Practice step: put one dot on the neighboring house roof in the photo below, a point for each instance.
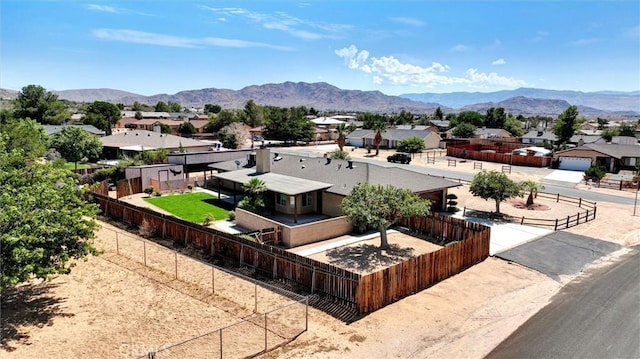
(181, 114)
(541, 135)
(344, 117)
(611, 150)
(412, 127)
(492, 132)
(341, 178)
(392, 134)
(624, 140)
(326, 121)
(152, 121)
(586, 139)
(126, 121)
(146, 114)
(440, 123)
(199, 123)
(276, 182)
(51, 129)
(589, 132)
(148, 140)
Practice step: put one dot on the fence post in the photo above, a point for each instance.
(568, 221)
(241, 254)
(265, 332)
(213, 281)
(186, 235)
(275, 267)
(164, 228)
(522, 221)
(220, 343)
(306, 313)
(313, 280)
(556, 227)
(620, 185)
(558, 198)
(580, 202)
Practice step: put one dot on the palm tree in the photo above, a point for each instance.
(254, 200)
(533, 187)
(379, 127)
(341, 130)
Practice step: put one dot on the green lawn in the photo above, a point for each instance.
(72, 165)
(192, 207)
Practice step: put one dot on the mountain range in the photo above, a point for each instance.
(326, 97)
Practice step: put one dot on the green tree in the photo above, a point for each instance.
(377, 206)
(186, 129)
(174, 107)
(36, 103)
(494, 185)
(233, 135)
(254, 114)
(26, 135)
(608, 133)
(341, 131)
(370, 119)
(138, 115)
(464, 130)
(138, 107)
(602, 123)
(44, 221)
(211, 108)
(164, 128)
(567, 124)
(514, 126)
(471, 117)
(162, 106)
(595, 172)
(495, 117)
(379, 127)
(253, 201)
(411, 145)
(74, 144)
(287, 124)
(339, 155)
(533, 188)
(627, 129)
(103, 115)
(437, 114)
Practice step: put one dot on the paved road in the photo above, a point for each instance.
(598, 317)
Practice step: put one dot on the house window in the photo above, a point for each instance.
(282, 199)
(307, 199)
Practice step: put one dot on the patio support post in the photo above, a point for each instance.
(235, 202)
(295, 209)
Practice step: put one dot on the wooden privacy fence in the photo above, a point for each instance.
(127, 187)
(517, 160)
(364, 295)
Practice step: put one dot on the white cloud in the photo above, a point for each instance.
(388, 69)
(103, 8)
(303, 29)
(460, 48)
(499, 62)
(140, 37)
(583, 42)
(408, 21)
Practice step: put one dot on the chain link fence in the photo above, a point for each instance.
(269, 316)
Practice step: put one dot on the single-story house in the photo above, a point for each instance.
(300, 186)
(146, 114)
(52, 129)
(613, 157)
(392, 137)
(136, 141)
(484, 132)
(536, 136)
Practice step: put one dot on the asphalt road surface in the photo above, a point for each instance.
(596, 317)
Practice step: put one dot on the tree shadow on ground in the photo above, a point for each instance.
(30, 304)
(367, 257)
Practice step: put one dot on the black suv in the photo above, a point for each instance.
(399, 157)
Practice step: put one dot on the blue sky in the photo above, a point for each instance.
(151, 47)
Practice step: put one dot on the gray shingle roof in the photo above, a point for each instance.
(616, 151)
(149, 139)
(343, 179)
(543, 135)
(51, 129)
(390, 134)
(276, 182)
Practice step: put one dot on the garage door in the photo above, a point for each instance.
(574, 163)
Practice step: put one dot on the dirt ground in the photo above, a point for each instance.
(104, 309)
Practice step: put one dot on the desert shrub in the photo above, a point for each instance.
(452, 203)
(207, 219)
(231, 215)
(148, 191)
(595, 172)
(146, 229)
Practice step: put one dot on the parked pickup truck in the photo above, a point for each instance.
(399, 157)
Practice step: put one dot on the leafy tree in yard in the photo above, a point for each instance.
(608, 133)
(595, 172)
(437, 114)
(514, 126)
(233, 135)
(287, 124)
(138, 107)
(627, 129)
(340, 155)
(471, 117)
(174, 106)
(164, 128)
(44, 221)
(102, 115)
(377, 206)
(26, 135)
(379, 127)
(254, 114)
(186, 129)
(222, 119)
(36, 103)
(138, 115)
(464, 130)
(211, 108)
(254, 198)
(411, 145)
(533, 187)
(162, 106)
(495, 117)
(567, 124)
(494, 185)
(74, 144)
